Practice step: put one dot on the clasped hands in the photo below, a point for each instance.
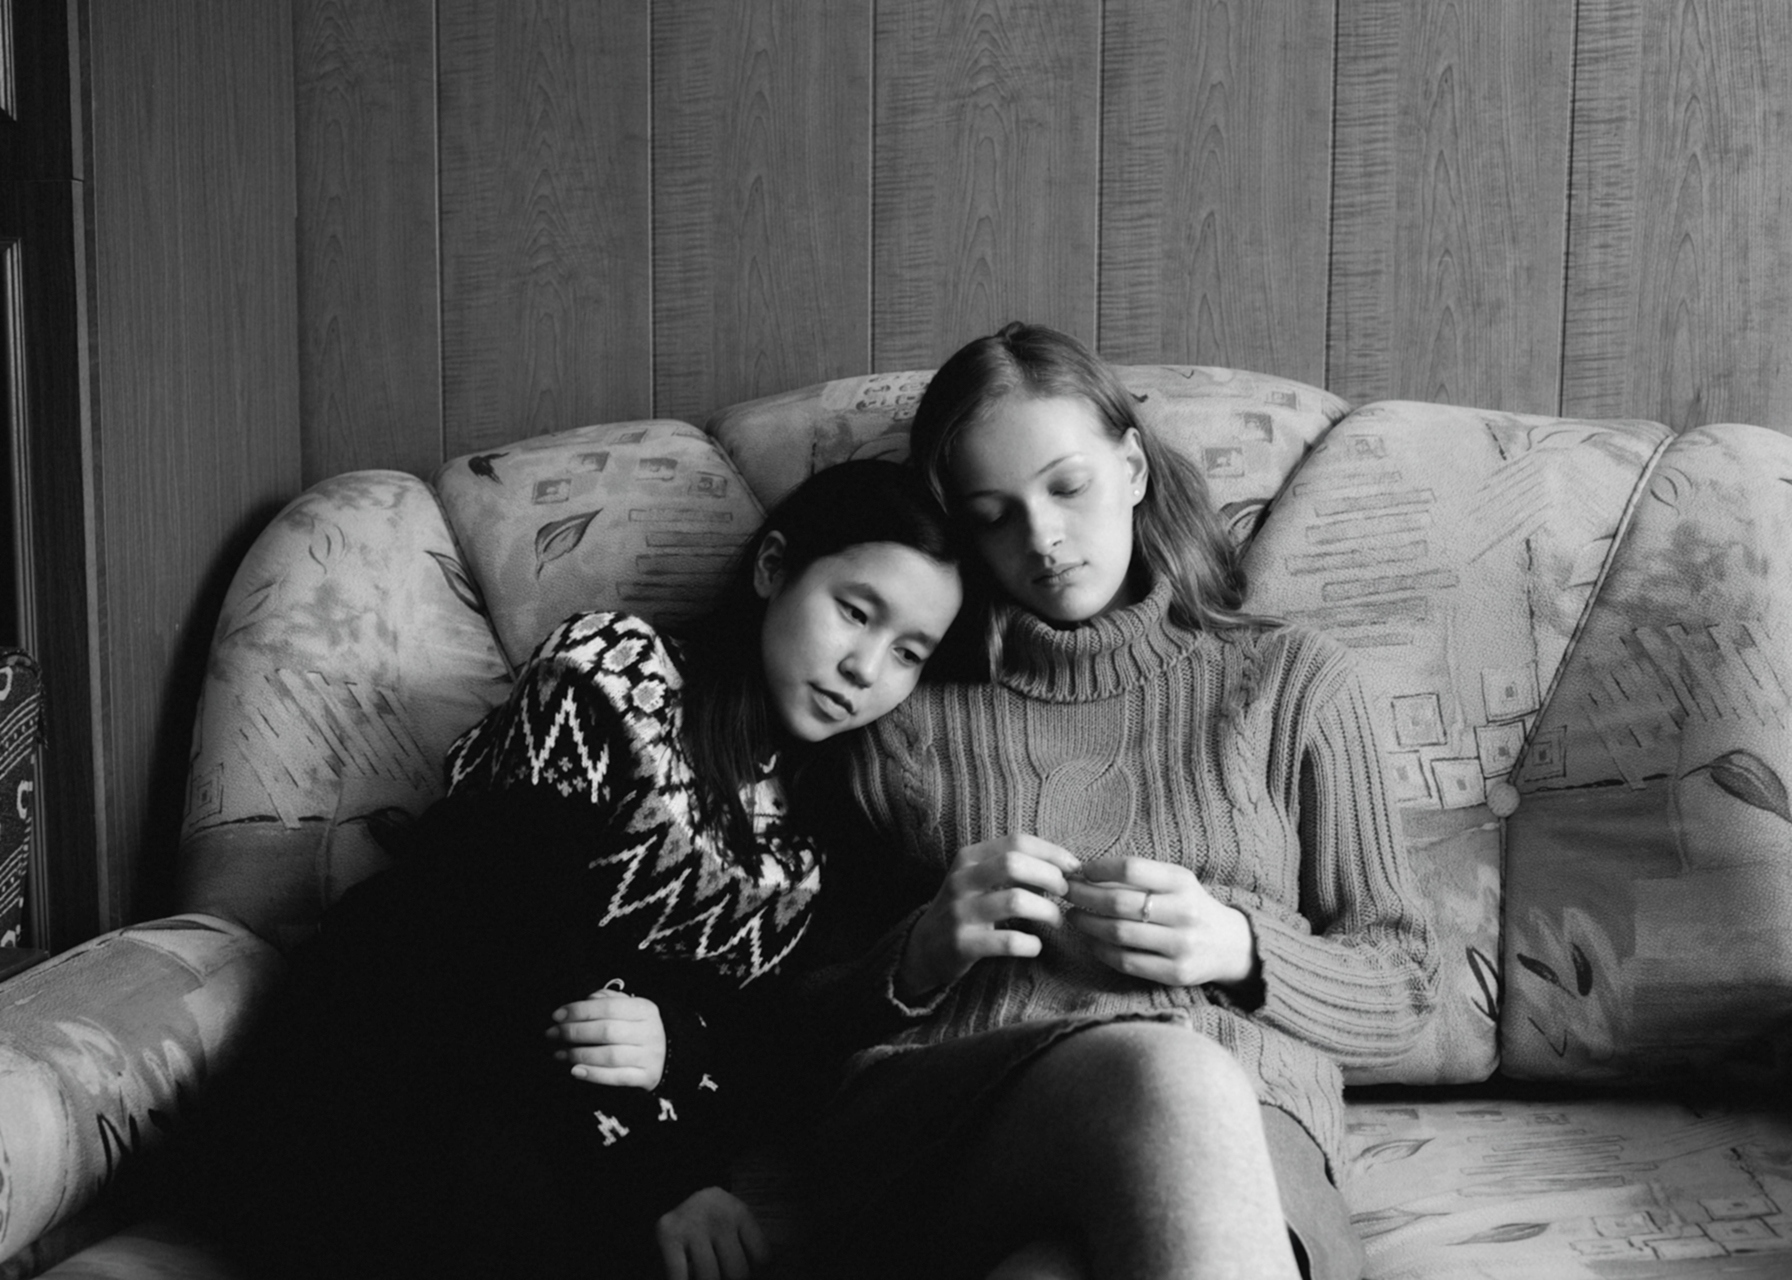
(1147, 919)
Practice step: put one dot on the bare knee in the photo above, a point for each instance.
(1160, 1069)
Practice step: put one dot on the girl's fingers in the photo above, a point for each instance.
(752, 1238)
(607, 1004)
(609, 1055)
(614, 1077)
(672, 1257)
(1136, 873)
(1015, 904)
(1125, 933)
(732, 1257)
(1138, 964)
(601, 1031)
(1125, 902)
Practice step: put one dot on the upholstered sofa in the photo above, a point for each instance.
(1577, 636)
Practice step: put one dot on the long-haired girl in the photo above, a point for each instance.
(1170, 895)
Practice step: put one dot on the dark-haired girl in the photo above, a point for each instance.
(519, 1051)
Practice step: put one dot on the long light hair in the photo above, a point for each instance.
(1177, 533)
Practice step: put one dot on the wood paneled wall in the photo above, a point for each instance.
(192, 431)
(516, 219)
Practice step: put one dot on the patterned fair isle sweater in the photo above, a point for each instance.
(597, 713)
(1249, 759)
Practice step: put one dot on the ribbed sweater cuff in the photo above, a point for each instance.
(893, 962)
(1333, 995)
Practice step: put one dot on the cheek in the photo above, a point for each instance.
(892, 690)
(997, 550)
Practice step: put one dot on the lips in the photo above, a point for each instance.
(831, 701)
(1057, 576)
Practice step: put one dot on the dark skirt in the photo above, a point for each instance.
(883, 1142)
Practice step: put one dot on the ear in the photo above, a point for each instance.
(768, 565)
(1138, 467)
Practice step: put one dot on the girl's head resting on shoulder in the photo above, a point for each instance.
(1071, 506)
(858, 575)
(830, 611)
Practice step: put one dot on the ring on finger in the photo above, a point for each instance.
(1145, 908)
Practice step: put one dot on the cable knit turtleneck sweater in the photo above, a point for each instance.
(1248, 758)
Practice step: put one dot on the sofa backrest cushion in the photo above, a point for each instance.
(1456, 551)
(637, 516)
(1247, 430)
(350, 651)
(1649, 863)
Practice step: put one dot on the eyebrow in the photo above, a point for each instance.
(1055, 462)
(882, 606)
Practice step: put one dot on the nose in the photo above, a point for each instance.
(859, 665)
(1044, 531)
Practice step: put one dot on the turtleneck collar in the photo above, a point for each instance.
(1099, 659)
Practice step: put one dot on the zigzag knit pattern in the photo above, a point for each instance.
(597, 714)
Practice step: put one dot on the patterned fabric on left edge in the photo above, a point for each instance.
(20, 730)
(101, 1046)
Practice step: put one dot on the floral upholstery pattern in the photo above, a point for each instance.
(1574, 1188)
(1247, 430)
(1649, 866)
(1575, 635)
(351, 650)
(1456, 551)
(120, 1029)
(638, 517)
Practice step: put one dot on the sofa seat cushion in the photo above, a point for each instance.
(1569, 1188)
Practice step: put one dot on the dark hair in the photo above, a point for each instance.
(728, 721)
(1177, 533)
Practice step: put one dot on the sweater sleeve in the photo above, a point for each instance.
(1354, 973)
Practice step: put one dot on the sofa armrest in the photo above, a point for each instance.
(101, 1045)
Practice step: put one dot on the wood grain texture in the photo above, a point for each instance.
(544, 209)
(369, 323)
(1215, 183)
(1448, 213)
(1680, 255)
(195, 387)
(761, 198)
(987, 172)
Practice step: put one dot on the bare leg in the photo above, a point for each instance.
(1142, 1139)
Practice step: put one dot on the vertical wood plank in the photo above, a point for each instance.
(1215, 183)
(544, 216)
(987, 170)
(1449, 206)
(195, 389)
(761, 198)
(369, 327)
(1680, 254)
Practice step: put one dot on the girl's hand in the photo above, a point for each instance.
(612, 1039)
(990, 885)
(710, 1236)
(1155, 920)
